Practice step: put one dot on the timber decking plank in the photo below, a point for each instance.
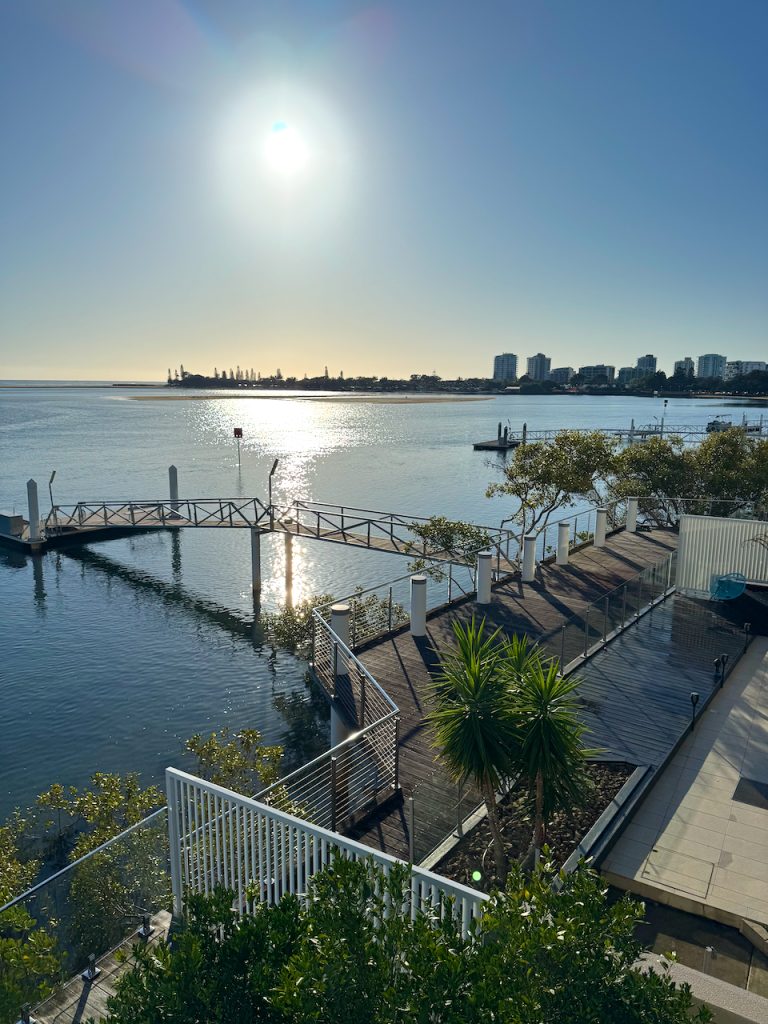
(635, 692)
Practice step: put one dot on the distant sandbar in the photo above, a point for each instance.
(344, 397)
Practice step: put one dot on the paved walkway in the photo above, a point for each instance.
(699, 841)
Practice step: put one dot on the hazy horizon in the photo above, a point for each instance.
(383, 189)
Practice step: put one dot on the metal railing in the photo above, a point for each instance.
(381, 609)
(436, 810)
(581, 526)
(91, 906)
(369, 528)
(353, 775)
(663, 511)
(158, 513)
(584, 634)
(220, 838)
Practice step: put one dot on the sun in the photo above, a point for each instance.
(285, 151)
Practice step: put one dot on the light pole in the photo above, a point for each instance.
(271, 511)
(50, 492)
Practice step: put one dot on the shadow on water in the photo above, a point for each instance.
(10, 558)
(305, 714)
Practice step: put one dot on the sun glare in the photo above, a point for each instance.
(283, 162)
(285, 151)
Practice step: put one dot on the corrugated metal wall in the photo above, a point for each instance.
(712, 547)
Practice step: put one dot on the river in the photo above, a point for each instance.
(113, 654)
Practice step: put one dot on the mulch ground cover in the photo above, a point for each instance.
(564, 833)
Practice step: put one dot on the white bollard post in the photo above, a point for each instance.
(563, 543)
(340, 616)
(173, 487)
(632, 515)
(34, 510)
(601, 525)
(483, 581)
(418, 605)
(255, 559)
(340, 728)
(529, 558)
(289, 567)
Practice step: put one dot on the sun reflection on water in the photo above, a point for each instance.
(295, 430)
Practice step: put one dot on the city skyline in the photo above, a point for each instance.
(389, 190)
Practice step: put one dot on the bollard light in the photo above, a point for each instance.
(146, 929)
(694, 702)
(718, 677)
(24, 1016)
(91, 972)
(723, 668)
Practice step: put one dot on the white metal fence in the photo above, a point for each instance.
(711, 547)
(218, 838)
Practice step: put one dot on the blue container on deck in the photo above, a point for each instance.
(728, 586)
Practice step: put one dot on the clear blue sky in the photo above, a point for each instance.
(583, 178)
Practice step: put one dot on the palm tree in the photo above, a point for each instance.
(472, 720)
(550, 750)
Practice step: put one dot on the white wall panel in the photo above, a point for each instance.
(710, 546)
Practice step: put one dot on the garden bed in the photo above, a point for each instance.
(565, 832)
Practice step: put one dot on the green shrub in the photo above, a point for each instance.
(352, 953)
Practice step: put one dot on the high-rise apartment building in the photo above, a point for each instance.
(561, 374)
(539, 366)
(505, 367)
(741, 367)
(710, 365)
(599, 373)
(626, 375)
(684, 366)
(646, 366)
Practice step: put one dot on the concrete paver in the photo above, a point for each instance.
(691, 844)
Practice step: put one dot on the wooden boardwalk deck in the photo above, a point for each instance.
(402, 664)
(78, 1001)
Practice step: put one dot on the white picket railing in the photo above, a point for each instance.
(218, 838)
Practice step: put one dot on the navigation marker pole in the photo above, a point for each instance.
(238, 438)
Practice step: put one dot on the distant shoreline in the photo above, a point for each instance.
(367, 399)
(371, 397)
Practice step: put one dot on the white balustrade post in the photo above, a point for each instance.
(632, 515)
(418, 605)
(529, 558)
(601, 525)
(255, 559)
(33, 505)
(563, 542)
(174, 843)
(484, 573)
(173, 487)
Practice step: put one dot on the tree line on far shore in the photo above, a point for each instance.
(678, 384)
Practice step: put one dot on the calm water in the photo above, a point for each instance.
(114, 653)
